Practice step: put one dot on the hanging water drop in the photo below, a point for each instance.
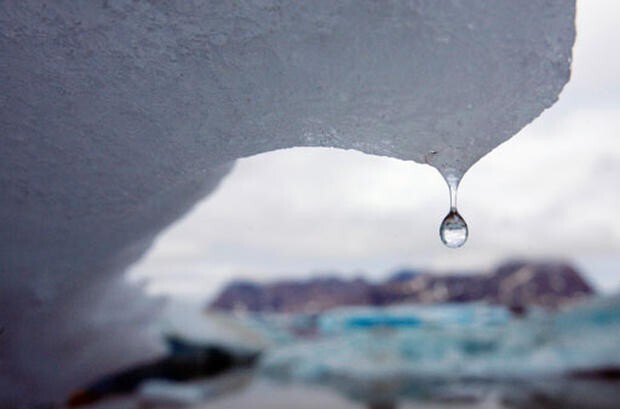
(453, 230)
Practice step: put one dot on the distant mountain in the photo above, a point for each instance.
(316, 294)
(516, 284)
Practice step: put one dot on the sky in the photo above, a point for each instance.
(551, 191)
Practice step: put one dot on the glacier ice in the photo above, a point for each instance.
(451, 343)
(117, 116)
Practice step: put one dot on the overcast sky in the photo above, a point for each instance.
(553, 190)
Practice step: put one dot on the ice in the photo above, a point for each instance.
(118, 116)
(454, 342)
(412, 316)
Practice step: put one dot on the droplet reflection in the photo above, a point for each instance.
(453, 230)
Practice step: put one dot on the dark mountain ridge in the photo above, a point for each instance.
(515, 284)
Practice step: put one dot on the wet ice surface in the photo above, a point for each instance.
(118, 116)
(262, 393)
(274, 395)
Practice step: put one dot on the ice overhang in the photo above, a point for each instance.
(117, 116)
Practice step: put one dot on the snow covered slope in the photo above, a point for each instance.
(116, 116)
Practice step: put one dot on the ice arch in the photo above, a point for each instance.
(116, 116)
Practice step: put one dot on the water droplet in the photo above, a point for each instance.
(453, 230)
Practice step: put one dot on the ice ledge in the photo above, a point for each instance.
(117, 116)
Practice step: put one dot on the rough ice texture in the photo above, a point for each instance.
(116, 116)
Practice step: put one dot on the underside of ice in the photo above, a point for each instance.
(118, 116)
